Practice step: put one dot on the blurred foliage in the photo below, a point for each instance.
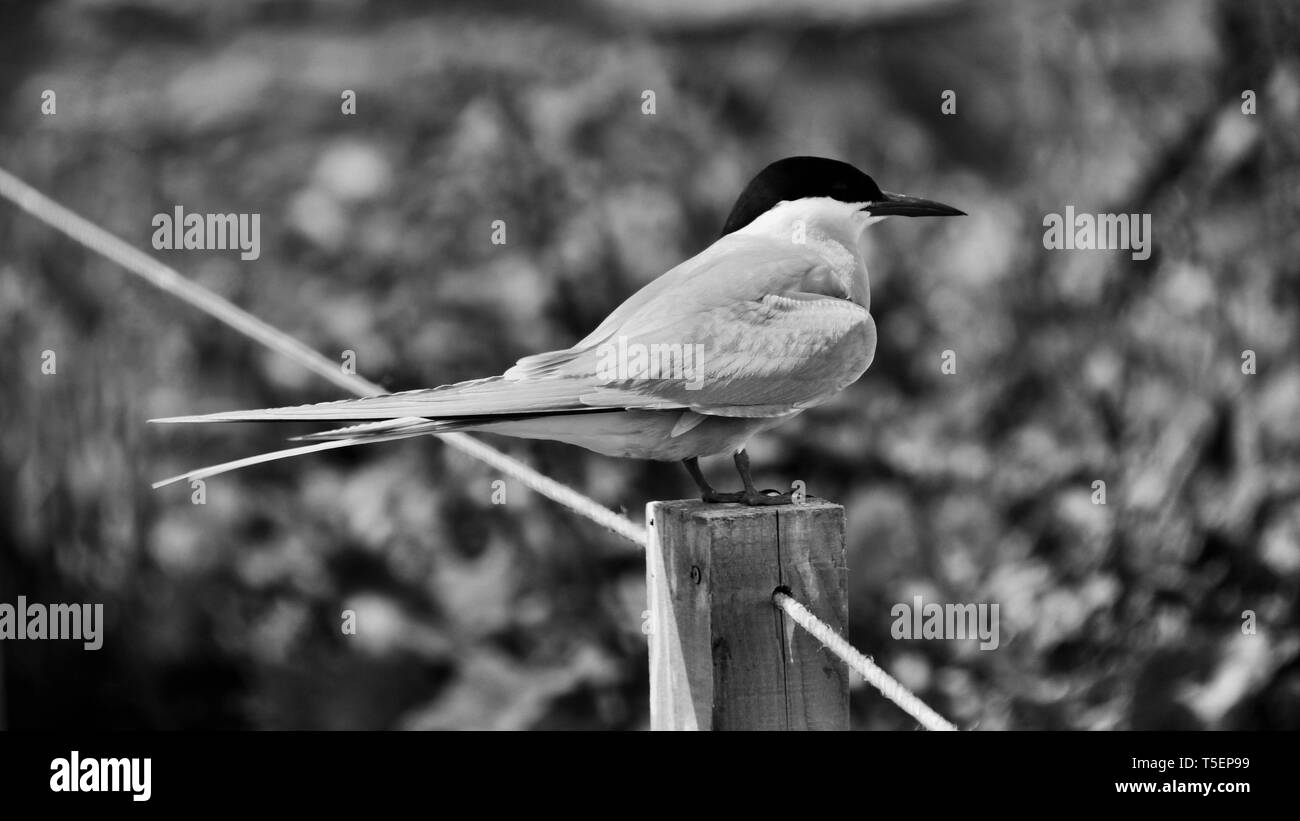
(1072, 367)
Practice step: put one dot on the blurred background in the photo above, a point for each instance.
(1072, 367)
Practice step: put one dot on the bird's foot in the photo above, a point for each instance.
(752, 498)
(767, 497)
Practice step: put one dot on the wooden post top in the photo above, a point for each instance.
(721, 655)
(705, 510)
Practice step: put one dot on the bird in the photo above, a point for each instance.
(771, 319)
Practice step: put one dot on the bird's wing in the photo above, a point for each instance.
(736, 266)
(764, 358)
(726, 297)
(773, 328)
(769, 326)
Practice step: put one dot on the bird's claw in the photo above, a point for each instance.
(754, 498)
(767, 497)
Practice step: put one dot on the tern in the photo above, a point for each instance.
(771, 319)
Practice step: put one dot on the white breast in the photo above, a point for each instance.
(829, 228)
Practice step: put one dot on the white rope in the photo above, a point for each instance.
(168, 279)
(876, 677)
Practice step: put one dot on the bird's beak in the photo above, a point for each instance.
(901, 205)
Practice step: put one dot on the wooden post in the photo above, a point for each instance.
(721, 656)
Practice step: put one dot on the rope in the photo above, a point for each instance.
(169, 280)
(876, 677)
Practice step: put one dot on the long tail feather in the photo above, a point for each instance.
(224, 467)
(479, 404)
(474, 398)
(419, 424)
(404, 424)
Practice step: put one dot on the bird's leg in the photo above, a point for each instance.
(707, 493)
(752, 495)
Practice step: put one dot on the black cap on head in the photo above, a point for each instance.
(795, 178)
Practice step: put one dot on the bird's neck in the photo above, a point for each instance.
(826, 229)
